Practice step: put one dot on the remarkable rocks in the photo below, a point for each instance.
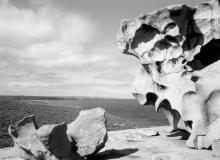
(85, 136)
(179, 51)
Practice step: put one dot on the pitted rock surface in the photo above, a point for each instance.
(179, 51)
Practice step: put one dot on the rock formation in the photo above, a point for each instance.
(85, 136)
(179, 51)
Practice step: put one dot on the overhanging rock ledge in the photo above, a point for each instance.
(179, 50)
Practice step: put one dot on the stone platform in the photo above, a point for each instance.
(137, 144)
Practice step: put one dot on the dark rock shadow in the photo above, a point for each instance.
(184, 135)
(112, 154)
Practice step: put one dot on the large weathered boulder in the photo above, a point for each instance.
(179, 51)
(88, 131)
(85, 136)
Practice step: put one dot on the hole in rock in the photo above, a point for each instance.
(188, 123)
(151, 98)
(194, 78)
(144, 34)
(165, 104)
(209, 54)
(172, 115)
(162, 44)
(171, 39)
(169, 27)
(184, 61)
(159, 66)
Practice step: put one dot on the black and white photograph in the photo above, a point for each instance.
(109, 79)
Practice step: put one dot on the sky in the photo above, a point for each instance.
(68, 47)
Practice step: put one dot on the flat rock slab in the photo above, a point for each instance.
(8, 154)
(137, 144)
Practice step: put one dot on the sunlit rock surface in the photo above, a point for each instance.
(136, 144)
(88, 131)
(83, 137)
(179, 50)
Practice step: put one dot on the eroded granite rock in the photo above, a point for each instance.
(179, 50)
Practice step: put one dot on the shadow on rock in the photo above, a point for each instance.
(112, 154)
(184, 135)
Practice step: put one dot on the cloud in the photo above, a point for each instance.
(48, 51)
(45, 37)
